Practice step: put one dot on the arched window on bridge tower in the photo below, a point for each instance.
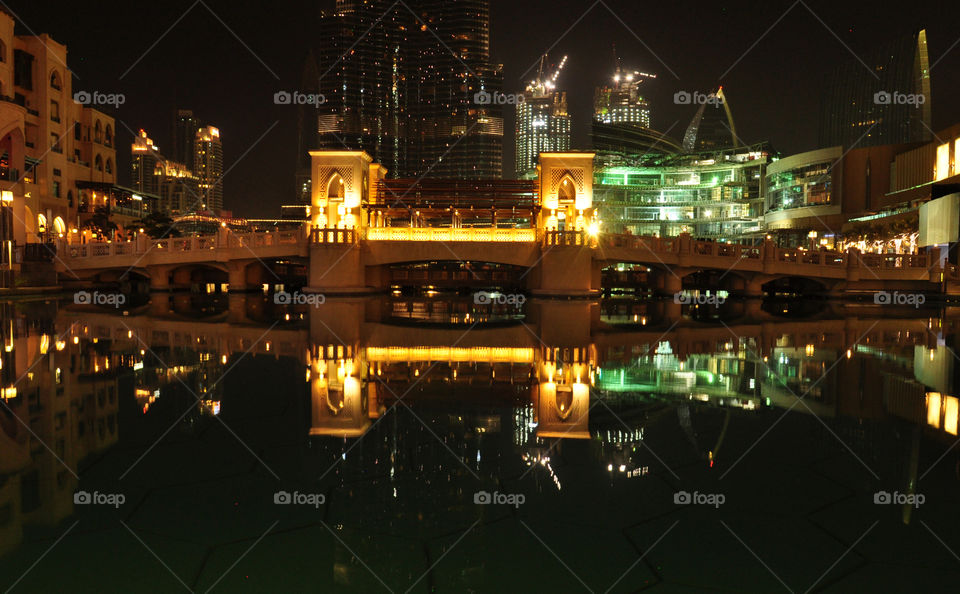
(566, 200)
(336, 192)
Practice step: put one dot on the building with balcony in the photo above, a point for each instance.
(50, 143)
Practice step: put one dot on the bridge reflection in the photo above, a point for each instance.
(566, 370)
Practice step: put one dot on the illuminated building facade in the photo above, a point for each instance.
(622, 103)
(620, 130)
(878, 105)
(172, 185)
(804, 191)
(50, 142)
(144, 159)
(208, 167)
(407, 95)
(715, 195)
(543, 122)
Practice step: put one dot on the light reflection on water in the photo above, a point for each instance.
(399, 409)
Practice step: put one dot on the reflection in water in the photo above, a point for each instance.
(523, 386)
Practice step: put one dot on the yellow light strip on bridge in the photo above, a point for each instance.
(454, 354)
(439, 234)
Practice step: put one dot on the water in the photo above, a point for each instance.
(417, 443)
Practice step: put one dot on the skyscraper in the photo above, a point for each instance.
(400, 84)
(175, 186)
(543, 123)
(622, 103)
(143, 162)
(184, 135)
(208, 167)
(885, 101)
(621, 132)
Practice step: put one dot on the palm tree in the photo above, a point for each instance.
(158, 225)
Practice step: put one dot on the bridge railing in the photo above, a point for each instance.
(886, 261)
(327, 235)
(564, 238)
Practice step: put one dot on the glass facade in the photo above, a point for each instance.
(717, 196)
(809, 185)
(805, 180)
(401, 83)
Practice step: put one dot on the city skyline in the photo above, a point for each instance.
(265, 133)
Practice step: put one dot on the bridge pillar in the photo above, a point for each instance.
(159, 278)
(160, 304)
(243, 277)
(337, 268)
(754, 287)
(565, 271)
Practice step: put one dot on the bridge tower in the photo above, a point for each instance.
(566, 225)
(566, 191)
(341, 182)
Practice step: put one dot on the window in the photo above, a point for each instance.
(108, 136)
(109, 165)
(76, 131)
(98, 163)
(23, 69)
(54, 111)
(56, 188)
(55, 81)
(55, 143)
(98, 132)
(3, 51)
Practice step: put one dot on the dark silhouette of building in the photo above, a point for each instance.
(183, 135)
(885, 102)
(712, 127)
(409, 86)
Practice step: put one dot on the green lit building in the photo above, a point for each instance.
(715, 195)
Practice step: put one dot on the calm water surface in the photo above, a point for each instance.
(430, 444)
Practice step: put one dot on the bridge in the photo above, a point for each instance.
(363, 226)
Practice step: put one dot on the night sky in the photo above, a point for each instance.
(177, 56)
